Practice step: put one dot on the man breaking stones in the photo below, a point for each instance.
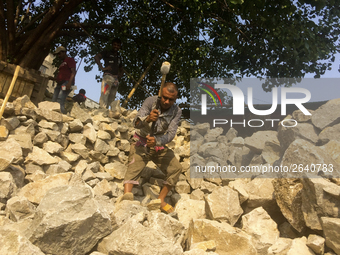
(167, 120)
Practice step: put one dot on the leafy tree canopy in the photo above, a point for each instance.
(201, 39)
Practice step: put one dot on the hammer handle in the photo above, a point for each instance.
(158, 104)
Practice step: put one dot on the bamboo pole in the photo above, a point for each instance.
(134, 81)
(140, 80)
(9, 91)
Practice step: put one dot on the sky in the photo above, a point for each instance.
(87, 81)
(321, 90)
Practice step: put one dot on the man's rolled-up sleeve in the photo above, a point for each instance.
(172, 129)
(142, 114)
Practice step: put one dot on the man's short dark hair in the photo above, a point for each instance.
(171, 87)
(116, 40)
(82, 91)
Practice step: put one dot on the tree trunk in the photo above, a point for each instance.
(10, 23)
(30, 48)
(3, 33)
(39, 43)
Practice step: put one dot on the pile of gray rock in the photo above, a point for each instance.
(293, 210)
(61, 176)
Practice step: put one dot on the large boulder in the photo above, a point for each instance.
(229, 211)
(262, 229)
(189, 209)
(288, 134)
(258, 140)
(68, 220)
(35, 191)
(302, 158)
(327, 114)
(14, 243)
(320, 198)
(7, 186)
(288, 194)
(145, 234)
(229, 240)
(331, 230)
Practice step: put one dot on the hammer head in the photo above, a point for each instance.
(165, 68)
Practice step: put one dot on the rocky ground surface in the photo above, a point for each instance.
(61, 176)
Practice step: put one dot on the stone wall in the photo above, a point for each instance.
(29, 82)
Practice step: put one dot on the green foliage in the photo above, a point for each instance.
(201, 39)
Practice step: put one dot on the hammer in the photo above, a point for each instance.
(165, 68)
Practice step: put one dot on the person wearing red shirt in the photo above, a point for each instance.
(65, 77)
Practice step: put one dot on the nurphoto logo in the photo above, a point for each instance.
(263, 128)
(201, 90)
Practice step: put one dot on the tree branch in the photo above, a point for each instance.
(31, 22)
(16, 20)
(47, 20)
(86, 26)
(173, 7)
(47, 30)
(88, 34)
(75, 34)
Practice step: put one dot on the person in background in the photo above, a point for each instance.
(113, 71)
(65, 77)
(80, 97)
